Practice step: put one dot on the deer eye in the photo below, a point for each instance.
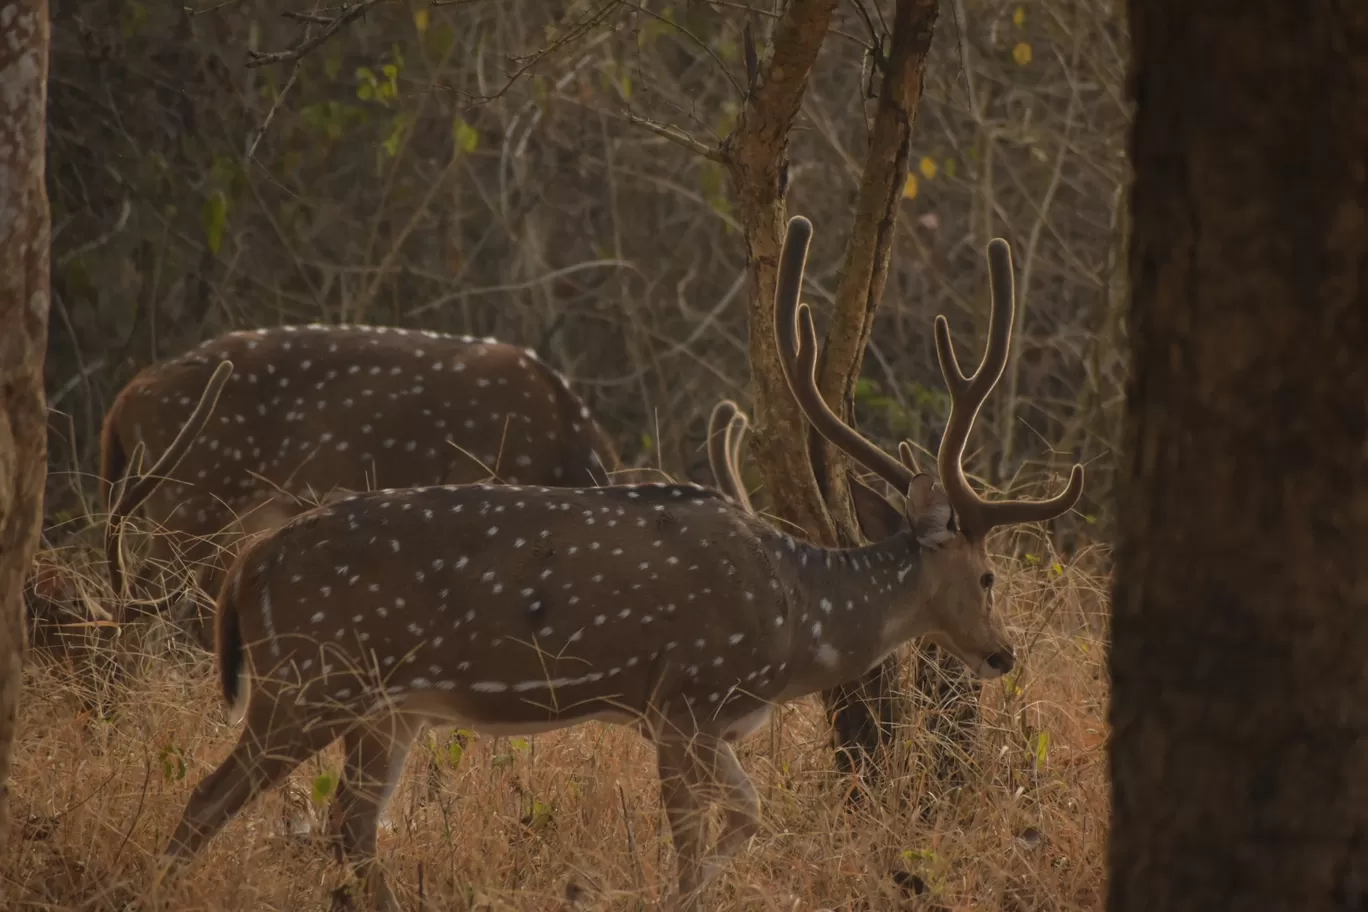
(986, 581)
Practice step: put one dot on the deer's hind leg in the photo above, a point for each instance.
(273, 743)
(376, 752)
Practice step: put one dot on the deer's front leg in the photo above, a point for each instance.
(688, 825)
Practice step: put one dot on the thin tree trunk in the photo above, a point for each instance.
(1239, 752)
(24, 240)
(757, 157)
(808, 478)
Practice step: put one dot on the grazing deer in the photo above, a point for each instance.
(667, 607)
(314, 410)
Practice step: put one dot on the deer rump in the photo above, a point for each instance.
(314, 409)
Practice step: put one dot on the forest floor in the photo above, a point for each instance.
(571, 820)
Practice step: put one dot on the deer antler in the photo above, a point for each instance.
(977, 516)
(797, 337)
(726, 426)
(130, 495)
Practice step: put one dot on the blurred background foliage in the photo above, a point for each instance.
(480, 166)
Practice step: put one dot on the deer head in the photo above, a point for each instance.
(946, 518)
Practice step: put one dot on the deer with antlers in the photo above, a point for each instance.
(317, 412)
(667, 607)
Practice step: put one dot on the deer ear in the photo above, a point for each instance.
(929, 513)
(879, 520)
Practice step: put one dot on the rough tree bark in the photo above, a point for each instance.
(807, 478)
(1239, 752)
(24, 231)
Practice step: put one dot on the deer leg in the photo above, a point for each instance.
(271, 746)
(688, 823)
(717, 766)
(376, 752)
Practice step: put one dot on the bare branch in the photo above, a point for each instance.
(757, 159)
(870, 244)
(677, 136)
(330, 27)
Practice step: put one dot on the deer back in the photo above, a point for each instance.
(310, 409)
(520, 608)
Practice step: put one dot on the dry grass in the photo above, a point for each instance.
(572, 820)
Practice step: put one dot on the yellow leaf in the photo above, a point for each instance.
(950, 167)
(910, 188)
(928, 167)
(1022, 53)
(420, 20)
(1019, 16)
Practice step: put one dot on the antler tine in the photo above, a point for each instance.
(797, 338)
(967, 394)
(908, 458)
(719, 426)
(736, 430)
(170, 459)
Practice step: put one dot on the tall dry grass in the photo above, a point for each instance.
(571, 820)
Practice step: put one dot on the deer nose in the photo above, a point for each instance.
(1001, 662)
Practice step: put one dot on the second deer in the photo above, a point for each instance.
(320, 411)
(670, 608)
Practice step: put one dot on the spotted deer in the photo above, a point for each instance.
(316, 411)
(667, 607)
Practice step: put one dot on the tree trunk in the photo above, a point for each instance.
(24, 240)
(1239, 751)
(807, 478)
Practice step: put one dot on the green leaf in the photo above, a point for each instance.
(519, 744)
(455, 752)
(499, 760)
(1040, 747)
(324, 787)
(214, 218)
(467, 137)
(173, 763)
(540, 816)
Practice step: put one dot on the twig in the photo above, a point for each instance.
(309, 42)
(631, 839)
(679, 137)
(275, 106)
(125, 209)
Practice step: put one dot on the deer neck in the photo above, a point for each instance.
(851, 608)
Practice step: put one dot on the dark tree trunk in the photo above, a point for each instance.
(1239, 751)
(24, 231)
